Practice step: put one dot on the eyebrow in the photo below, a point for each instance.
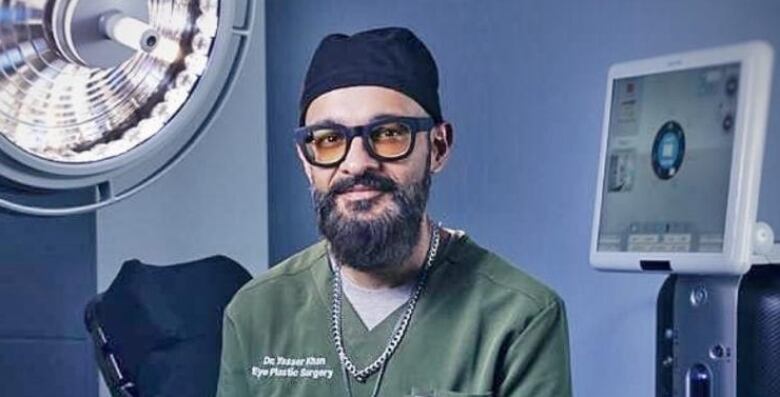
(384, 116)
(377, 117)
(327, 121)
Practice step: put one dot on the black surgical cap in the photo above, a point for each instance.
(388, 57)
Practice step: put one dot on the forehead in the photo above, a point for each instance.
(359, 105)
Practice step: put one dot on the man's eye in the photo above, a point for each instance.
(328, 139)
(390, 132)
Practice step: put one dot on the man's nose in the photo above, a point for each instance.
(358, 160)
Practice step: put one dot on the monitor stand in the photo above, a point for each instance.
(719, 335)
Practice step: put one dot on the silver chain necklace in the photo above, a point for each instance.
(400, 327)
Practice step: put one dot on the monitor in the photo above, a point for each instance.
(680, 161)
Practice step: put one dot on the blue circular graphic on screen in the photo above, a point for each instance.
(668, 150)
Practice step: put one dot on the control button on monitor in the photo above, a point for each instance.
(717, 352)
(732, 84)
(699, 296)
(728, 123)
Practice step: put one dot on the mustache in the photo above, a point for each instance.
(374, 181)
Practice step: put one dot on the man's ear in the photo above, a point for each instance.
(305, 164)
(441, 145)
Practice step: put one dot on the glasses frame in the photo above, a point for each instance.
(415, 124)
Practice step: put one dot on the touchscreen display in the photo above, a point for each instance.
(668, 161)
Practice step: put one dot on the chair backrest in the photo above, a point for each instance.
(157, 329)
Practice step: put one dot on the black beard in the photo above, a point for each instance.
(368, 244)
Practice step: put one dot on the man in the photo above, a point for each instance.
(389, 303)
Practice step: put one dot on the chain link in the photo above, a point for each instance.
(400, 328)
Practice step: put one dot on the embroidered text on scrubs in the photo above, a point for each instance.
(289, 367)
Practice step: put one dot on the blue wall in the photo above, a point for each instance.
(47, 276)
(524, 84)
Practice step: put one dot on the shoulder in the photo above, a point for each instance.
(495, 277)
(292, 275)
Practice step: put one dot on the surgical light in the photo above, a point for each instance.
(69, 94)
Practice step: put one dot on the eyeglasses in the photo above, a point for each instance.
(386, 139)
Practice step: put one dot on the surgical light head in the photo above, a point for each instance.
(88, 80)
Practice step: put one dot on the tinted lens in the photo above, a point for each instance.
(326, 146)
(391, 140)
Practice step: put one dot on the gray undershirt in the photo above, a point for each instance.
(374, 305)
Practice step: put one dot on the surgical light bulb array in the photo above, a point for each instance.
(66, 112)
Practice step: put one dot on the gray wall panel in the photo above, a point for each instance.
(39, 368)
(47, 275)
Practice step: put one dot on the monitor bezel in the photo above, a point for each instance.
(755, 59)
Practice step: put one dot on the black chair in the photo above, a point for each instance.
(157, 329)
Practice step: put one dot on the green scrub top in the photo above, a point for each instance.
(481, 328)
